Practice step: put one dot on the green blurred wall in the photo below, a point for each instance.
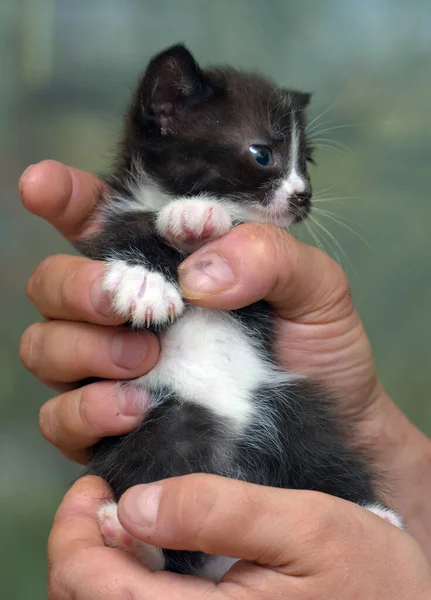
(66, 70)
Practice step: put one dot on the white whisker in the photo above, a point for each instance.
(333, 239)
(321, 115)
(332, 217)
(334, 142)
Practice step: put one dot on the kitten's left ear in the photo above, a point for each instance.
(173, 82)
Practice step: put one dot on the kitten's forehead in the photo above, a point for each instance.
(254, 103)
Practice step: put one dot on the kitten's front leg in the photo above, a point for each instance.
(142, 272)
(188, 223)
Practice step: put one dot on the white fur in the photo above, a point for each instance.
(146, 195)
(387, 514)
(207, 359)
(294, 184)
(142, 295)
(190, 222)
(149, 195)
(116, 536)
(145, 191)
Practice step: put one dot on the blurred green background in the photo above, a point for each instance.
(66, 71)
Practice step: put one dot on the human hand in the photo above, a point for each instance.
(319, 334)
(294, 544)
(81, 337)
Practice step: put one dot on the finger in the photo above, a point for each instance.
(80, 567)
(254, 262)
(63, 196)
(76, 420)
(231, 518)
(65, 351)
(69, 287)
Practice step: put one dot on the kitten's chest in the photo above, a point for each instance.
(208, 357)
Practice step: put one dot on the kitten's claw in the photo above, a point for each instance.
(142, 296)
(171, 311)
(115, 536)
(190, 222)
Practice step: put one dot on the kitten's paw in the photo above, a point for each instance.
(115, 536)
(387, 514)
(191, 222)
(141, 295)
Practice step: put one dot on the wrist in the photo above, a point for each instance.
(397, 442)
(403, 454)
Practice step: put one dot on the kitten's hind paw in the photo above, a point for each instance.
(387, 514)
(115, 536)
(142, 296)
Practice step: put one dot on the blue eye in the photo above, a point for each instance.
(262, 155)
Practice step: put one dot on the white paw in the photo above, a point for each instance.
(141, 295)
(190, 222)
(115, 536)
(387, 514)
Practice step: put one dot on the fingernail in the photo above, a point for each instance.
(132, 402)
(141, 505)
(129, 349)
(204, 275)
(101, 300)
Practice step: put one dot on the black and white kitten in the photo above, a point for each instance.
(203, 151)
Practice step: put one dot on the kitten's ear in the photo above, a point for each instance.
(303, 99)
(173, 82)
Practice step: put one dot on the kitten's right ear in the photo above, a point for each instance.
(172, 83)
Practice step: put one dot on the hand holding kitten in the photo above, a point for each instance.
(294, 544)
(319, 334)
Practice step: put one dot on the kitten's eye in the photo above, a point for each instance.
(262, 155)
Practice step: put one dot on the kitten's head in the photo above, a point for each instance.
(221, 131)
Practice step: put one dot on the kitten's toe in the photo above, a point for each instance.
(387, 514)
(115, 536)
(142, 296)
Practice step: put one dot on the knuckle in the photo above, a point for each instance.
(199, 508)
(325, 517)
(60, 579)
(48, 422)
(341, 278)
(84, 401)
(64, 285)
(37, 278)
(55, 589)
(30, 347)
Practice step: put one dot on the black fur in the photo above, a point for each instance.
(188, 130)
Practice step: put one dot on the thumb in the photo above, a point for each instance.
(254, 262)
(220, 516)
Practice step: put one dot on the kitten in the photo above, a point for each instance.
(205, 150)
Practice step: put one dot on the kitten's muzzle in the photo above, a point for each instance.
(300, 205)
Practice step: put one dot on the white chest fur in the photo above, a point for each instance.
(207, 358)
